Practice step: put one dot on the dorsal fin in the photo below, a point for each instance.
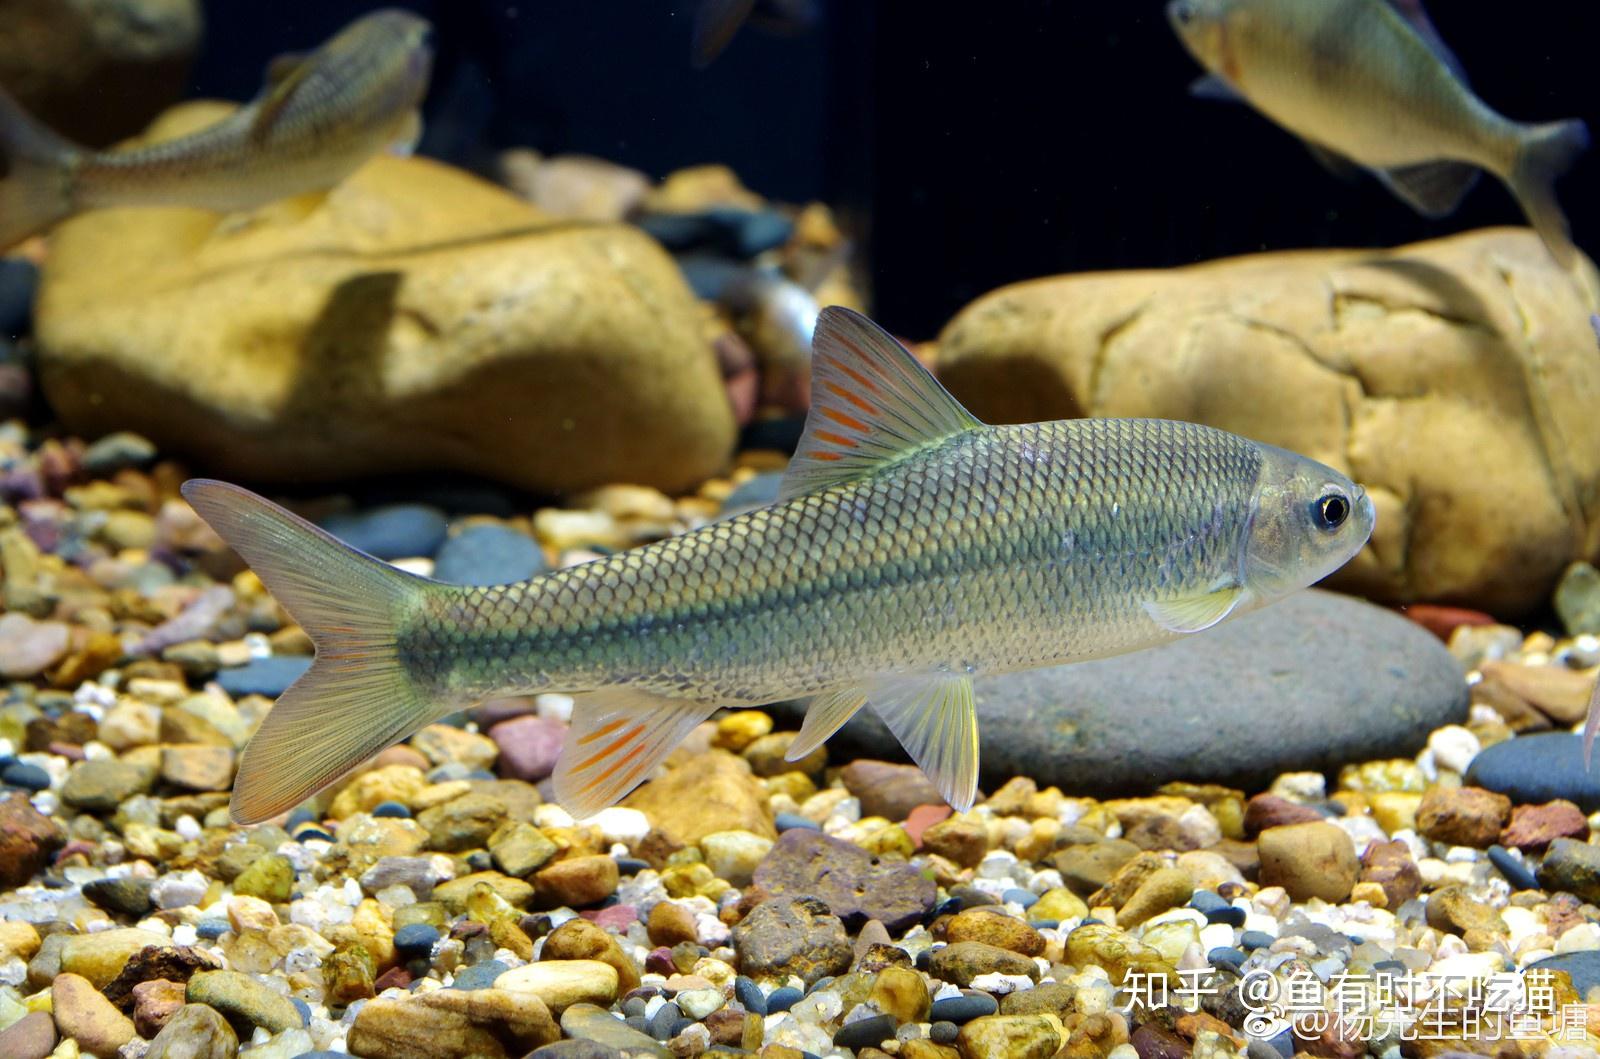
(872, 403)
(283, 82)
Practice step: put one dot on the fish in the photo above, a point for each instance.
(317, 120)
(716, 22)
(911, 549)
(1369, 85)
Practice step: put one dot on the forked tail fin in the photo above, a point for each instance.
(357, 698)
(37, 167)
(1546, 152)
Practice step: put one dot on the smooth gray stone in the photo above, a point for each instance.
(1312, 682)
(1536, 768)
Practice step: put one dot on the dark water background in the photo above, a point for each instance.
(985, 142)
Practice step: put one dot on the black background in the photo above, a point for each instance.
(967, 144)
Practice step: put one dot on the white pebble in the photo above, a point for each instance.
(1000, 984)
(179, 889)
(187, 827)
(1301, 786)
(13, 971)
(554, 707)
(46, 803)
(627, 826)
(1454, 747)
(1216, 936)
(550, 815)
(698, 1003)
(1582, 938)
(185, 934)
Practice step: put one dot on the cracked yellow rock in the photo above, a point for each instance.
(1455, 379)
(417, 318)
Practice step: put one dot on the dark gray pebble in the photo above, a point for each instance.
(1537, 768)
(264, 676)
(128, 895)
(488, 555)
(1225, 956)
(396, 531)
(865, 1033)
(1515, 872)
(298, 816)
(972, 897)
(479, 975)
(1584, 967)
(782, 999)
(1229, 914)
(795, 822)
(394, 809)
(943, 1032)
(28, 777)
(631, 865)
(749, 996)
(116, 452)
(304, 1009)
(1206, 901)
(666, 1022)
(416, 939)
(1255, 939)
(963, 1008)
(633, 1007)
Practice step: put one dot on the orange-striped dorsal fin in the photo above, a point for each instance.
(872, 403)
(618, 738)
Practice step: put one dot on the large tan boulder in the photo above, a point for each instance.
(416, 319)
(1458, 380)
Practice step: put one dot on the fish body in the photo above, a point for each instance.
(913, 548)
(1369, 82)
(318, 120)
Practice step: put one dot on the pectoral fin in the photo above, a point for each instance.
(1193, 613)
(618, 738)
(936, 720)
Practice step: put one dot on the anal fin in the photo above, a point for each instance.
(619, 736)
(1433, 189)
(935, 718)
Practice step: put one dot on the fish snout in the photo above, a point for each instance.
(1182, 13)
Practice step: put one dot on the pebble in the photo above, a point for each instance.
(1514, 871)
(487, 555)
(1251, 940)
(853, 883)
(243, 999)
(28, 777)
(269, 676)
(392, 810)
(792, 936)
(396, 531)
(29, 647)
(1584, 967)
(561, 983)
(82, 1013)
(1572, 866)
(416, 940)
(749, 995)
(963, 1008)
(1309, 860)
(479, 976)
(782, 999)
(793, 822)
(529, 746)
(33, 1036)
(1536, 768)
(865, 1032)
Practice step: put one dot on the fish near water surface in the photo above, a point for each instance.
(319, 118)
(1369, 83)
(716, 22)
(912, 549)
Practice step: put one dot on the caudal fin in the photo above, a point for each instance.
(1546, 152)
(357, 698)
(36, 189)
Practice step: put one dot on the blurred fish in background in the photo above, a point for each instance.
(317, 120)
(716, 22)
(1369, 84)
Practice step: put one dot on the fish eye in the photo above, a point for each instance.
(1183, 11)
(1330, 511)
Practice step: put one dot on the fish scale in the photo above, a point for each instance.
(953, 559)
(912, 548)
